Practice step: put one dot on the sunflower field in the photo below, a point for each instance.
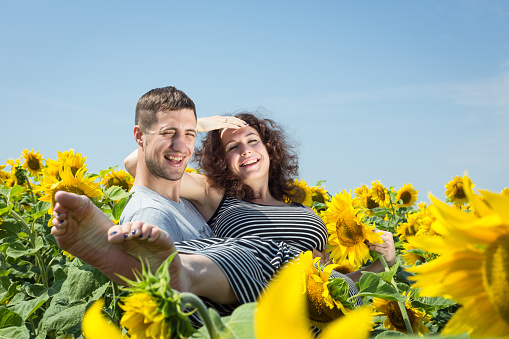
(450, 278)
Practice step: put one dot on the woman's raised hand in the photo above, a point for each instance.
(217, 122)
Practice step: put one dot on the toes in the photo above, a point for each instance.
(115, 234)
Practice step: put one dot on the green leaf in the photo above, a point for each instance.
(106, 171)
(119, 207)
(116, 193)
(82, 281)
(11, 291)
(431, 304)
(5, 192)
(16, 250)
(388, 275)
(371, 285)
(9, 318)
(14, 332)
(6, 210)
(390, 334)
(16, 190)
(239, 325)
(27, 307)
(60, 315)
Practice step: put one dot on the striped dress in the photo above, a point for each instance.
(254, 241)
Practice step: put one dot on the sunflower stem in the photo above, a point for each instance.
(31, 191)
(402, 306)
(191, 300)
(31, 236)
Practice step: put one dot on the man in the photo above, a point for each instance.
(165, 132)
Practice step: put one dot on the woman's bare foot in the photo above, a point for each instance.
(153, 245)
(86, 232)
(80, 228)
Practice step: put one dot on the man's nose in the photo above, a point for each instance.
(179, 142)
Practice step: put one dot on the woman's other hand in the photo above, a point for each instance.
(386, 249)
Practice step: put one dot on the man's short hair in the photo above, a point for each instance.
(160, 99)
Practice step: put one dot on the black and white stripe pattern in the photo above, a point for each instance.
(297, 226)
(254, 242)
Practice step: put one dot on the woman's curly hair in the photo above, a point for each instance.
(284, 164)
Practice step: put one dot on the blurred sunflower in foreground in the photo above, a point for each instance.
(282, 311)
(473, 267)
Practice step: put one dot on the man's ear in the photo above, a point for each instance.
(138, 135)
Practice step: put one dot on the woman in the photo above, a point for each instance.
(247, 177)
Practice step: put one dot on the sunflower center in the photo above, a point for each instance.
(319, 197)
(70, 189)
(396, 318)
(298, 195)
(496, 275)
(349, 231)
(118, 182)
(458, 191)
(406, 197)
(411, 230)
(34, 164)
(370, 203)
(315, 290)
(319, 311)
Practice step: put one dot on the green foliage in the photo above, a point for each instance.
(44, 293)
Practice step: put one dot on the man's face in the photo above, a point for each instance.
(169, 144)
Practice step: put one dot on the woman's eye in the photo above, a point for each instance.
(231, 148)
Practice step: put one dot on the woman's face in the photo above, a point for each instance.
(246, 154)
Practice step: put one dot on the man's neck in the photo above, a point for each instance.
(166, 188)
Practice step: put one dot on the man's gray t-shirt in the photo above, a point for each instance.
(180, 219)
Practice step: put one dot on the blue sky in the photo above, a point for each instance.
(397, 91)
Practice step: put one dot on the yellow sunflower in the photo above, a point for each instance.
(394, 319)
(323, 306)
(363, 199)
(78, 184)
(473, 267)
(345, 267)
(454, 189)
(380, 194)
(33, 161)
(281, 311)
(4, 176)
(70, 158)
(142, 317)
(319, 194)
(505, 191)
(412, 254)
(95, 325)
(301, 193)
(347, 232)
(119, 178)
(192, 170)
(407, 194)
(16, 175)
